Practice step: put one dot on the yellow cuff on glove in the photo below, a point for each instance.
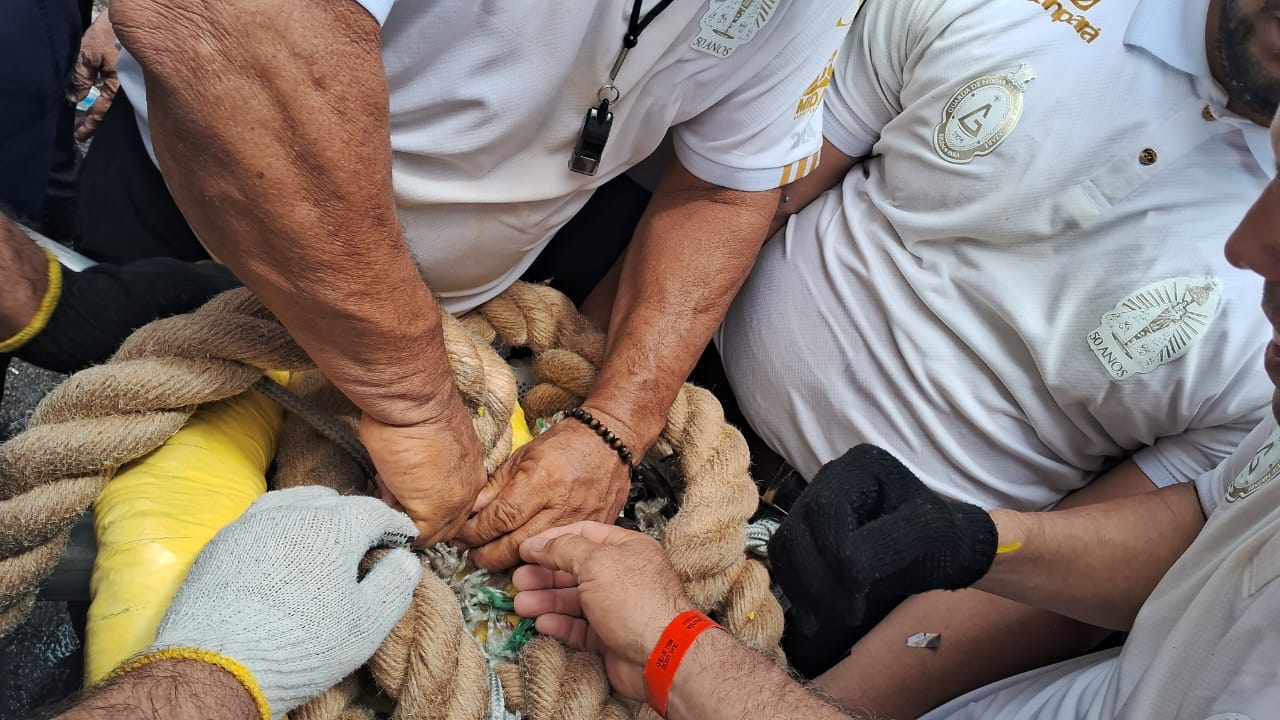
(44, 312)
(238, 671)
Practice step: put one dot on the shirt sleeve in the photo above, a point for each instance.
(379, 9)
(1183, 458)
(1257, 456)
(866, 90)
(1208, 489)
(768, 131)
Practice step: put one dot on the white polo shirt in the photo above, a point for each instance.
(1025, 281)
(488, 98)
(1203, 646)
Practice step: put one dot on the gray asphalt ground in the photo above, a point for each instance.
(23, 387)
(40, 662)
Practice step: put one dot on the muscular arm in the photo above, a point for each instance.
(168, 690)
(690, 255)
(791, 199)
(270, 122)
(1128, 559)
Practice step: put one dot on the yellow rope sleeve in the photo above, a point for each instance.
(238, 671)
(44, 312)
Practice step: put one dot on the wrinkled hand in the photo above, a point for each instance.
(565, 475)
(603, 588)
(866, 524)
(432, 471)
(95, 65)
(278, 591)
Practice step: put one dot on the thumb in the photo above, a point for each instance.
(388, 589)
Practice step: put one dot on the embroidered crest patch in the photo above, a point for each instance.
(981, 114)
(730, 23)
(1262, 469)
(1155, 325)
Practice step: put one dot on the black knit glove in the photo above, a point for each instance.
(865, 534)
(104, 304)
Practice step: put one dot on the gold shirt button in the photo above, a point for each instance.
(1207, 113)
(1147, 156)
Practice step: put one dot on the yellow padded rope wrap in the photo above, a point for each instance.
(156, 515)
(238, 671)
(52, 292)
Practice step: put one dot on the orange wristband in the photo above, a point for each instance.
(665, 659)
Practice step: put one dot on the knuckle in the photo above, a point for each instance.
(505, 513)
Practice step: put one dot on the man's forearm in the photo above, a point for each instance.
(690, 255)
(1096, 563)
(278, 153)
(721, 678)
(168, 690)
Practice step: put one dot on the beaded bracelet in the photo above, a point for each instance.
(615, 442)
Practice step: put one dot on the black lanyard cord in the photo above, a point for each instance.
(598, 121)
(638, 24)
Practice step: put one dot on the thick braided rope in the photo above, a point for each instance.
(707, 550)
(707, 537)
(434, 669)
(106, 416)
(340, 702)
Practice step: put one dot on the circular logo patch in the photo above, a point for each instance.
(981, 115)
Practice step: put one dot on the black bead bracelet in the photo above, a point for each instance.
(613, 441)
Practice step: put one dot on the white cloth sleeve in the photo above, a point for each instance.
(1212, 486)
(866, 89)
(379, 9)
(768, 131)
(1183, 458)
(1208, 490)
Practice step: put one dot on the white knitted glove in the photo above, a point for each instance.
(277, 593)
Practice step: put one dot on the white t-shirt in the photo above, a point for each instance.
(488, 98)
(1025, 282)
(1205, 643)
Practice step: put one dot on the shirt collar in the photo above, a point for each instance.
(1173, 32)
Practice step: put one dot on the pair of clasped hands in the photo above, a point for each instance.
(566, 474)
(532, 508)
